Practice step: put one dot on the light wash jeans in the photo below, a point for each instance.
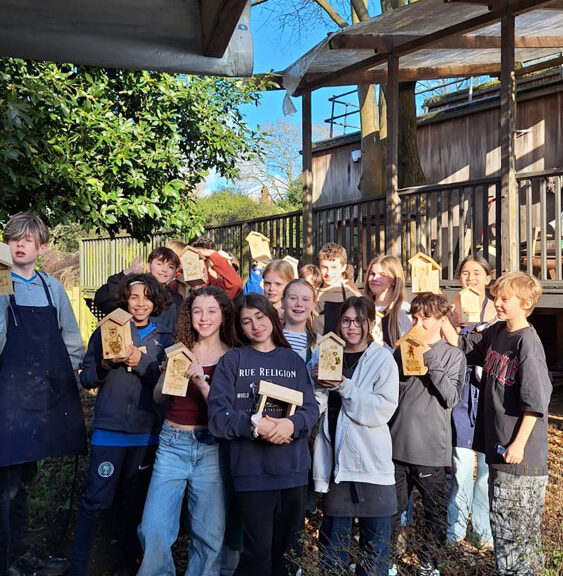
(468, 496)
(184, 458)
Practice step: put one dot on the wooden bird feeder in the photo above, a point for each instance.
(191, 267)
(183, 288)
(411, 351)
(468, 306)
(425, 274)
(294, 263)
(6, 263)
(331, 357)
(259, 247)
(274, 394)
(179, 360)
(116, 333)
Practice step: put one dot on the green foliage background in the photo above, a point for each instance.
(116, 150)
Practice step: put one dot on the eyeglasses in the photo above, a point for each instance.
(347, 322)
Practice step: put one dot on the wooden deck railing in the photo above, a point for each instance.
(446, 220)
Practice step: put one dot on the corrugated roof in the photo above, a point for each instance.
(435, 39)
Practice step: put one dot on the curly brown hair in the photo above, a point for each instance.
(154, 291)
(186, 333)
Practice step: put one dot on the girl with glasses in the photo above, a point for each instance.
(352, 459)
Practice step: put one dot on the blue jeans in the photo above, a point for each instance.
(468, 496)
(375, 537)
(184, 458)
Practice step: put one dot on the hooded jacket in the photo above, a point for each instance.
(363, 450)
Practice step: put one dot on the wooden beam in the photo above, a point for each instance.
(383, 43)
(306, 130)
(544, 65)
(219, 19)
(464, 27)
(392, 200)
(509, 241)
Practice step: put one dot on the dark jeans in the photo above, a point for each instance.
(336, 537)
(123, 474)
(14, 514)
(430, 481)
(273, 522)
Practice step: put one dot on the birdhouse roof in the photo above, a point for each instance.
(416, 336)
(330, 335)
(426, 258)
(119, 316)
(291, 260)
(188, 250)
(5, 255)
(180, 348)
(255, 236)
(468, 290)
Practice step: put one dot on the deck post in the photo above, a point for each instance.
(306, 128)
(509, 237)
(392, 201)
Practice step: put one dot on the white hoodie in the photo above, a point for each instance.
(363, 442)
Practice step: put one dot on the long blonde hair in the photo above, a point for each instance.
(392, 267)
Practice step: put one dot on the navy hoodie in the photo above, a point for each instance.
(125, 399)
(257, 464)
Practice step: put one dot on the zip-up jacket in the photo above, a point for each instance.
(125, 399)
(363, 442)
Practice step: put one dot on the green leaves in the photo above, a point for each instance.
(116, 150)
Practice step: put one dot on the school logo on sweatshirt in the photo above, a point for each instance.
(105, 469)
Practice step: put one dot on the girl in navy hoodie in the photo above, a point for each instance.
(126, 422)
(269, 456)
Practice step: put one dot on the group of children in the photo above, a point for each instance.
(364, 441)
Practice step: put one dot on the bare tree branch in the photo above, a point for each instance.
(359, 7)
(335, 16)
(256, 2)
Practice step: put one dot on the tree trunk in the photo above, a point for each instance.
(410, 169)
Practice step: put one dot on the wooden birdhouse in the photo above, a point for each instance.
(191, 267)
(183, 288)
(273, 397)
(425, 274)
(6, 263)
(259, 246)
(331, 357)
(468, 306)
(116, 333)
(179, 360)
(294, 263)
(411, 351)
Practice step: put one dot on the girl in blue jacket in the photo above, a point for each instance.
(352, 458)
(126, 422)
(268, 452)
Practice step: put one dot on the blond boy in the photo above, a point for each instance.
(332, 264)
(512, 422)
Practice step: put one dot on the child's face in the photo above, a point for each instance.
(163, 271)
(473, 275)
(511, 308)
(206, 316)
(139, 305)
(354, 328)
(431, 324)
(274, 286)
(298, 303)
(25, 251)
(255, 325)
(379, 281)
(331, 271)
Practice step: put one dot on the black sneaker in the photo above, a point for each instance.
(425, 568)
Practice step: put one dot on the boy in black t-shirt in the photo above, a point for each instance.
(511, 424)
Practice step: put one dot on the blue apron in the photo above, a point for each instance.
(40, 409)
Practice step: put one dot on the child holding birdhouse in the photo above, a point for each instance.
(40, 410)
(421, 427)
(269, 455)
(470, 494)
(126, 422)
(187, 455)
(355, 411)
